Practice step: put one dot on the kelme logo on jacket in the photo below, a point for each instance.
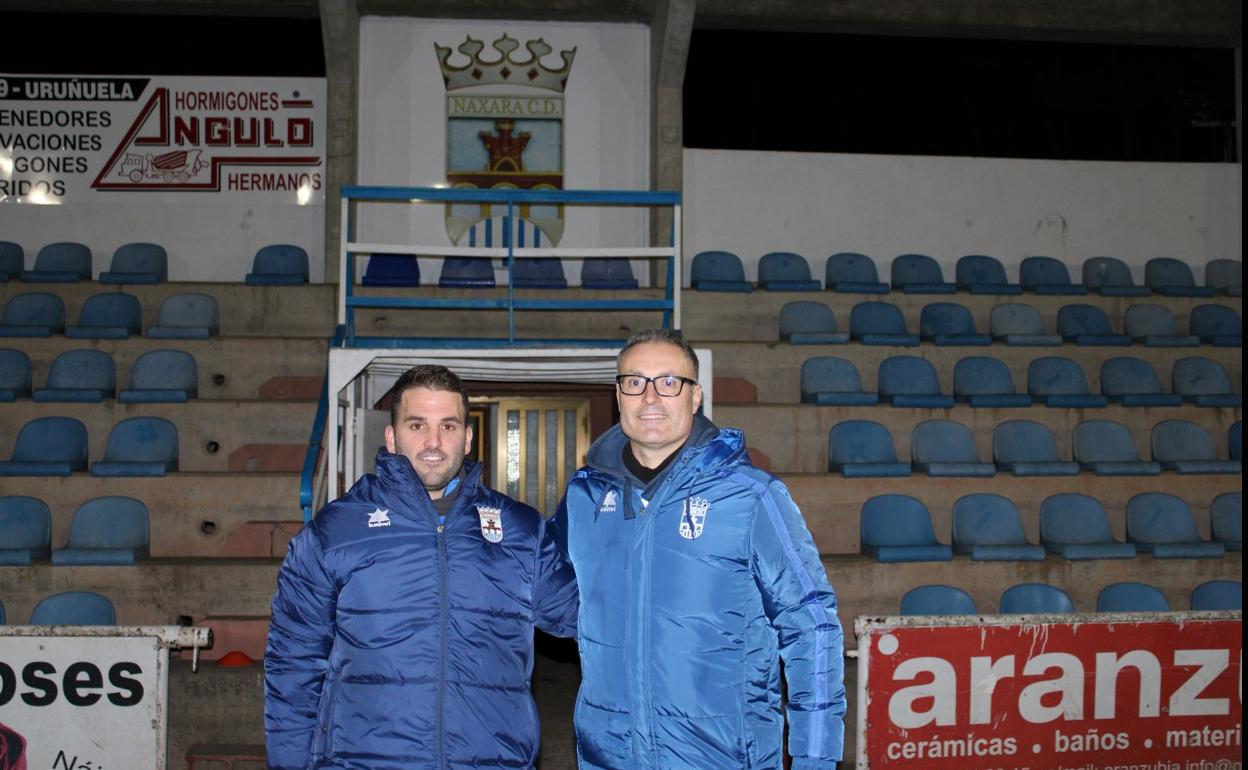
(491, 523)
(379, 518)
(693, 517)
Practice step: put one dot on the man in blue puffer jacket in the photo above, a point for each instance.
(697, 576)
(402, 630)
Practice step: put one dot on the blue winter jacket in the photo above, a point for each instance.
(397, 644)
(693, 589)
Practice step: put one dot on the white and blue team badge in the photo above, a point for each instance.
(491, 523)
(693, 517)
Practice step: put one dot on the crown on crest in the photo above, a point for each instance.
(505, 69)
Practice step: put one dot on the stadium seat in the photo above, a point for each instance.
(106, 530)
(139, 446)
(1155, 326)
(852, 273)
(1087, 325)
(391, 270)
(948, 323)
(141, 263)
(1110, 277)
(539, 273)
(785, 271)
(12, 261)
(162, 377)
(25, 530)
(862, 448)
(1077, 527)
(466, 273)
(608, 273)
(1225, 276)
(15, 374)
(1133, 382)
(937, 600)
(111, 316)
(1235, 437)
(1107, 449)
(1131, 597)
(809, 323)
(1173, 278)
(990, 528)
(1226, 516)
(1060, 383)
(718, 271)
(1163, 525)
(1046, 275)
(910, 382)
(1027, 448)
(1015, 323)
(1187, 448)
(831, 381)
(1203, 382)
(1215, 595)
(33, 314)
(1035, 599)
(985, 382)
(186, 317)
(1217, 325)
(80, 375)
(898, 528)
(946, 448)
(279, 264)
(983, 274)
(74, 608)
(880, 323)
(919, 274)
(65, 262)
(48, 446)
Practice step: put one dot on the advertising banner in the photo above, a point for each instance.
(1139, 691)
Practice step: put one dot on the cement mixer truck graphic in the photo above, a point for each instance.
(176, 166)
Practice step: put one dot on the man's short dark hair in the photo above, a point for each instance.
(431, 376)
(666, 336)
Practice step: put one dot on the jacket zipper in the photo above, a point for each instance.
(442, 602)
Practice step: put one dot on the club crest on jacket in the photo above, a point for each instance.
(491, 523)
(693, 517)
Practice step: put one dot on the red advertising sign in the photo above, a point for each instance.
(1157, 691)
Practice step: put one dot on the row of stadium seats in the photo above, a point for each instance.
(71, 608)
(987, 527)
(1037, 598)
(57, 446)
(140, 263)
(104, 530)
(157, 376)
(112, 315)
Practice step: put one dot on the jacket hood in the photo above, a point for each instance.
(395, 473)
(607, 453)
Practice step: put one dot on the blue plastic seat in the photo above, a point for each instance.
(138, 263)
(937, 599)
(162, 377)
(1163, 525)
(1077, 527)
(87, 376)
(33, 314)
(948, 323)
(990, 528)
(65, 262)
(15, 374)
(983, 274)
(919, 274)
(718, 271)
(1088, 325)
(139, 446)
(1107, 449)
(12, 261)
(1131, 597)
(809, 323)
(279, 264)
(1111, 277)
(985, 382)
(1060, 383)
(1027, 448)
(114, 315)
(946, 448)
(1035, 599)
(898, 528)
(849, 272)
(25, 530)
(880, 323)
(1173, 278)
(1156, 327)
(74, 608)
(48, 446)
(106, 530)
(608, 273)
(539, 273)
(1235, 437)
(831, 381)
(186, 317)
(1203, 382)
(1217, 325)
(1015, 323)
(1226, 516)
(1133, 382)
(1216, 595)
(785, 271)
(862, 448)
(1225, 276)
(1046, 275)
(911, 382)
(1187, 448)
(391, 270)
(466, 273)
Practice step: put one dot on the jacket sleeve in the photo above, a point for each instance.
(802, 607)
(296, 658)
(556, 601)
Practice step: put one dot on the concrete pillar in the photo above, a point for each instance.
(669, 50)
(340, 31)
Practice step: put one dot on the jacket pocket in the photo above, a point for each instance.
(321, 739)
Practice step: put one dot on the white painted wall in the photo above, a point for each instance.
(815, 204)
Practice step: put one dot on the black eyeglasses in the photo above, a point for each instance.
(666, 385)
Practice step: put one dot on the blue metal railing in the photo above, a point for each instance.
(307, 495)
